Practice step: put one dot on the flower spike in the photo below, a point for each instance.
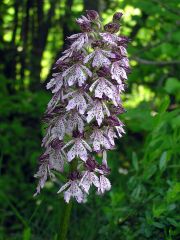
(81, 117)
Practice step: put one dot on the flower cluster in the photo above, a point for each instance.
(82, 114)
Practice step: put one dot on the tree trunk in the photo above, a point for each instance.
(39, 40)
(91, 5)
(65, 23)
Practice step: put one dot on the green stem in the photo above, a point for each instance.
(67, 209)
(65, 221)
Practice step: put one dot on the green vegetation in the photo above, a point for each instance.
(144, 200)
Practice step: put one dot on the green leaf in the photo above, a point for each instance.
(164, 105)
(163, 161)
(172, 85)
(158, 224)
(136, 192)
(173, 222)
(135, 161)
(149, 172)
(173, 193)
(159, 209)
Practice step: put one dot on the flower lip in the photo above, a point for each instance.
(74, 175)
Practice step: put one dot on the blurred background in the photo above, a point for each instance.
(145, 195)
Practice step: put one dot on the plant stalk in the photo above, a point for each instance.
(65, 221)
(67, 209)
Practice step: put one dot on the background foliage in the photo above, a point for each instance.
(144, 200)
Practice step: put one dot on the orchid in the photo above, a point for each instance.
(81, 118)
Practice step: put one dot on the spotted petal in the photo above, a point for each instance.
(87, 180)
(100, 140)
(118, 72)
(105, 185)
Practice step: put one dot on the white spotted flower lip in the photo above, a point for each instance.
(72, 189)
(79, 149)
(99, 139)
(76, 74)
(99, 58)
(104, 185)
(89, 179)
(81, 118)
(97, 111)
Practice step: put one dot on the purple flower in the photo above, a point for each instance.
(81, 118)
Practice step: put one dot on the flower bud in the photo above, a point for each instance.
(123, 40)
(84, 24)
(97, 43)
(92, 15)
(56, 144)
(91, 164)
(43, 157)
(104, 168)
(111, 27)
(74, 175)
(77, 134)
(103, 72)
(85, 27)
(117, 17)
